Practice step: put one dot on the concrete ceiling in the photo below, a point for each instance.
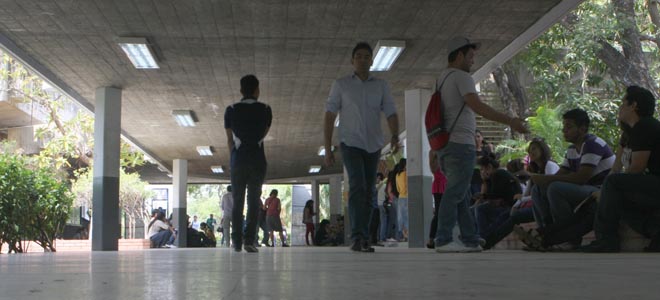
(296, 48)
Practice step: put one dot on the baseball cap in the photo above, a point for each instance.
(458, 42)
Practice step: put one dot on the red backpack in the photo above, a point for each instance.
(436, 131)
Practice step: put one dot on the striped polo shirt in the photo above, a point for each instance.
(595, 153)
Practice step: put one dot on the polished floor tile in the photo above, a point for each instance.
(327, 273)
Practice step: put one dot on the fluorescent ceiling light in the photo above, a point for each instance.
(314, 169)
(322, 150)
(204, 150)
(139, 52)
(387, 52)
(217, 169)
(184, 118)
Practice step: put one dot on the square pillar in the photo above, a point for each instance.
(180, 192)
(317, 200)
(420, 178)
(105, 194)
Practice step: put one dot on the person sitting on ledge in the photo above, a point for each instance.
(633, 194)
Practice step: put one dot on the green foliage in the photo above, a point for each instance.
(545, 124)
(34, 205)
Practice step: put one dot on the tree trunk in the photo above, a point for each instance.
(629, 67)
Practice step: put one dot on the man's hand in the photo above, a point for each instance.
(540, 180)
(395, 144)
(329, 157)
(518, 125)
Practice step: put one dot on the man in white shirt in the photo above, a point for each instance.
(195, 223)
(227, 204)
(360, 98)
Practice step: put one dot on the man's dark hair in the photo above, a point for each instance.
(229, 188)
(273, 192)
(465, 49)
(380, 175)
(644, 99)
(579, 116)
(489, 160)
(362, 45)
(249, 85)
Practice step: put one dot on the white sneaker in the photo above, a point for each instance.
(454, 247)
(390, 240)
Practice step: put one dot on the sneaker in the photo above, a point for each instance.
(430, 244)
(366, 247)
(356, 246)
(250, 248)
(285, 245)
(454, 247)
(654, 245)
(482, 242)
(528, 238)
(390, 240)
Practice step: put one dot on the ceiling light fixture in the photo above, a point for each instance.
(184, 117)
(387, 51)
(139, 52)
(217, 169)
(314, 169)
(204, 150)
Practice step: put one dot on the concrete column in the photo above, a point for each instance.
(105, 195)
(420, 178)
(317, 199)
(180, 192)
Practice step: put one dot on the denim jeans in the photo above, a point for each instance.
(361, 167)
(226, 222)
(250, 176)
(555, 203)
(487, 215)
(382, 234)
(457, 161)
(392, 231)
(402, 215)
(503, 226)
(161, 238)
(621, 195)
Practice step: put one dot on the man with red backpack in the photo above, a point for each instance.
(458, 157)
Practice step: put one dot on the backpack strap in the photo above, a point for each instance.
(462, 107)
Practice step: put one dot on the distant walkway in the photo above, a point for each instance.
(327, 273)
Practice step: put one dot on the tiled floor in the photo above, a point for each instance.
(328, 273)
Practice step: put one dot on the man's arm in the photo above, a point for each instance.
(580, 177)
(639, 162)
(473, 102)
(393, 123)
(328, 127)
(230, 139)
(617, 166)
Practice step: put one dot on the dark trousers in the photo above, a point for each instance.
(626, 196)
(570, 230)
(437, 198)
(250, 177)
(503, 226)
(361, 167)
(374, 225)
(488, 215)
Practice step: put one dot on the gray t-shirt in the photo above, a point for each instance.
(456, 86)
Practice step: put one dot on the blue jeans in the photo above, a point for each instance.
(555, 204)
(457, 161)
(361, 167)
(382, 235)
(161, 238)
(402, 215)
(486, 214)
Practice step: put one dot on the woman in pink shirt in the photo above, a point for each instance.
(438, 188)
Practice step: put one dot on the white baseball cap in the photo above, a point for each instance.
(459, 42)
